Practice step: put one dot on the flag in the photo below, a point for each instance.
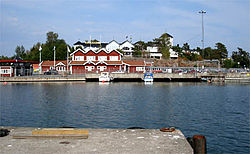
(68, 49)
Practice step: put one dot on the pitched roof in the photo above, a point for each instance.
(134, 63)
(51, 63)
(78, 43)
(113, 62)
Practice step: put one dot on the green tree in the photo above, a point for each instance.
(221, 50)
(51, 37)
(241, 58)
(33, 54)
(228, 63)
(163, 44)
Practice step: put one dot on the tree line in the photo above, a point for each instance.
(47, 50)
(238, 59)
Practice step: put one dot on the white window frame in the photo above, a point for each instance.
(113, 58)
(91, 68)
(5, 71)
(79, 58)
(90, 58)
(102, 58)
(101, 68)
(138, 69)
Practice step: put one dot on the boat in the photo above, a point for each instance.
(148, 77)
(105, 77)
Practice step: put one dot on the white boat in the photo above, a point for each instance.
(148, 77)
(105, 77)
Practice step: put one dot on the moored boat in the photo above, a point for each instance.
(148, 77)
(105, 77)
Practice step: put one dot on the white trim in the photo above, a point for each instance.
(60, 63)
(83, 51)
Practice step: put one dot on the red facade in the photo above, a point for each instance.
(102, 61)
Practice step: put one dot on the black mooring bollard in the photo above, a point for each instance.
(200, 145)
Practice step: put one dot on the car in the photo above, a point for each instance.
(51, 72)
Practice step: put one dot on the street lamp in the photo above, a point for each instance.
(202, 12)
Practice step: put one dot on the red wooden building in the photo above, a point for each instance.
(89, 61)
(60, 66)
(16, 67)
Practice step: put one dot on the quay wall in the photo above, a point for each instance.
(132, 77)
(42, 79)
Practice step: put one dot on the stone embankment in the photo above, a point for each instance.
(215, 77)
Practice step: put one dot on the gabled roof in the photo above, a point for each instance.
(78, 43)
(114, 41)
(95, 51)
(83, 51)
(51, 63)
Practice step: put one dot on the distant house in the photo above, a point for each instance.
(127, 47)
(154, 52)
(112, 45)
(134, 66)
(60, 66)
(16, 67)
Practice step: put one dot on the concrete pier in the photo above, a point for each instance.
(99, 141)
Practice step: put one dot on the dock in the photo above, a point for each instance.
(163, 77)
(98, 141)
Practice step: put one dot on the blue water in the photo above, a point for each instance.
(219, 111)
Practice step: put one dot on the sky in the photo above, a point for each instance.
(26, 22)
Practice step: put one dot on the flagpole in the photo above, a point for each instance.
(40, 49)
(68, 59)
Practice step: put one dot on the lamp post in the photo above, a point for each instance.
(54, 57)
(202, 12)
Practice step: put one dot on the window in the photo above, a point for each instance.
(125, 48)
(113, 58)
(5, 71)
(89, 68)
(139, 69)
(60, 69)
(79, 58)
(102, 58)
(90, 58)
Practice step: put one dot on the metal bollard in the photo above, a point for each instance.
(200, 145)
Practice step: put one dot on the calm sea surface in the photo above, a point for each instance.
(218, 111)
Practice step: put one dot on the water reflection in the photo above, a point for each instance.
(214, 110)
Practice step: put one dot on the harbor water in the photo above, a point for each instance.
(218, 111)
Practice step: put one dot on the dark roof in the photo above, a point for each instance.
(78, 43)
(19, 61)
(170, 35)
(125, 41)
(114, 41)
(84, 44)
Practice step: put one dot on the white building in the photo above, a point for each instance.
(154, 52)
(127, 47)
